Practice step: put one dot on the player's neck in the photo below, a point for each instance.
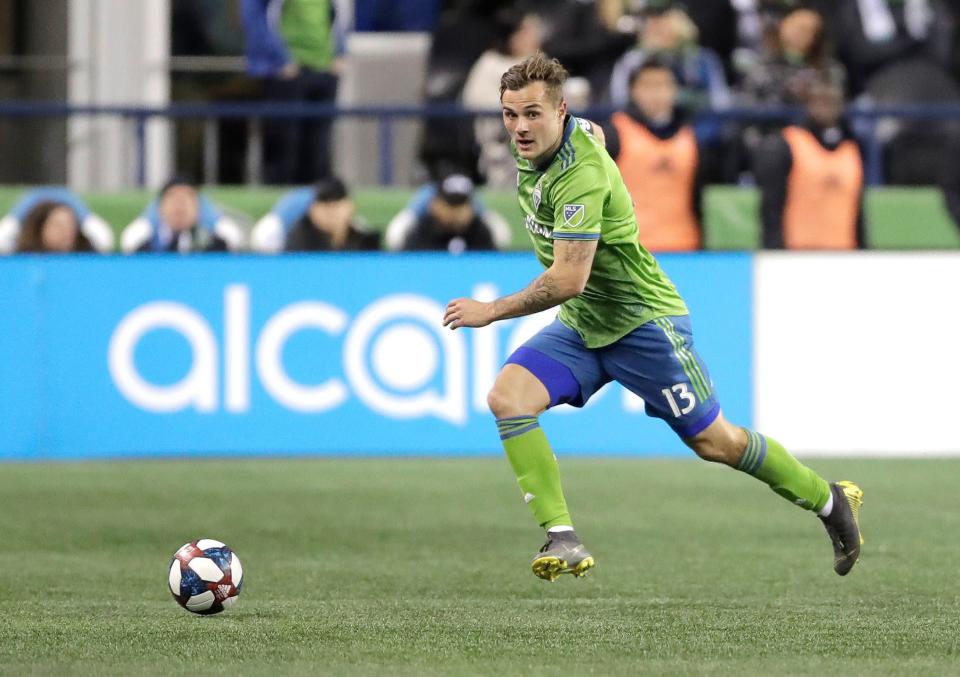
(544, 160)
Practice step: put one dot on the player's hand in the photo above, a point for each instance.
(467, 313)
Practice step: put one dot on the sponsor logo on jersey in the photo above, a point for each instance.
(573, 215)
(537, 228)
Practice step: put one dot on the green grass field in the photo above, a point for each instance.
(421, 567)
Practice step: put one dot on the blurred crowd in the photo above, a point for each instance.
(654, 74)
(723, 54)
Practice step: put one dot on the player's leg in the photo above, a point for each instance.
(837, 504)
(659, 363)
(516, 400)
(551, 368)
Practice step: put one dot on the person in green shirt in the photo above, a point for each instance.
(620, 319)
(293, 48)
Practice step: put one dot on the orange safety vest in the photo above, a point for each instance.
(660, 176)
(823, 193)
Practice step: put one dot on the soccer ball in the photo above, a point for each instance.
(205, 576)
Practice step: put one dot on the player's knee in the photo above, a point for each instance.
(718, 444)
(503, 403)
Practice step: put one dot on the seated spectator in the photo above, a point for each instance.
(52, 228)
(450, 222)
(659, 159)
(670, 34)
(94, 229)
(418, 208)
(797, 56)
(522, 37)
(181, 220)
(321, 218)
(811, 179)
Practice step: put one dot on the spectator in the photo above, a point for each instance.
(464, 31)
(811, 179)
(418, 209)
(670, 34)
(583, 36)
(450, 222)
(52, 228)
(797, 56)
(94, 229)
(294, 46)
(896, 52)
(717, 23)
(181, 220)
(658, 155)
(522, 37)
(321, 218)
(878, 34)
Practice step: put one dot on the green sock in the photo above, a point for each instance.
(536, 469)
(769, 462)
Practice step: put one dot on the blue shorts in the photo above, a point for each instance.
(656, 361)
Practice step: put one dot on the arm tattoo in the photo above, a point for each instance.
(539, 295)
(577, 253)
(552, 287)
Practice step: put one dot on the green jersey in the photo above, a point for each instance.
(307, 28)
(580, 195)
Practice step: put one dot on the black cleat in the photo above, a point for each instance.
(563, 553)
(843, 525)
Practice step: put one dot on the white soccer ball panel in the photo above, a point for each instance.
(229, 602)
(236, 569)
(205, 543)
(206, 569)
(201, 602)
(175, 577)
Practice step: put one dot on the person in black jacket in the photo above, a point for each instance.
(330, 223)
(451, 223)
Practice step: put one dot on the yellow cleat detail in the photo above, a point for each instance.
(549, 568)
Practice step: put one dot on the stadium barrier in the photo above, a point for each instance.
(327, 354)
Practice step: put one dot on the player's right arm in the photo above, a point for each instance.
(578, 197)
(563, 280)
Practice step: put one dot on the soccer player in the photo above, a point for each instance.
(620, 319)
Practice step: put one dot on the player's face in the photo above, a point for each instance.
(59, 231)
(180, 208)
(655, 92)
(534, 120)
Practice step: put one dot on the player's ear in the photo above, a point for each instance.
(562, 108)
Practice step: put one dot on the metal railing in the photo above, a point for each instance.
(865, 121)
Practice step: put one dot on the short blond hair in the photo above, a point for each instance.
(537, 68)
